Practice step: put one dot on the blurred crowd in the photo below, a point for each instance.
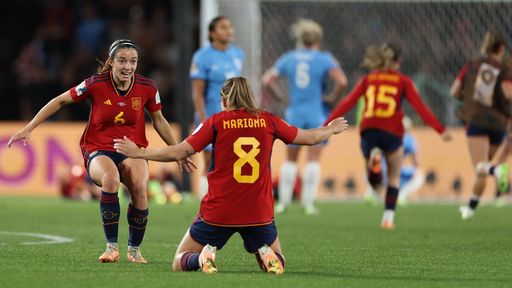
(53, 45)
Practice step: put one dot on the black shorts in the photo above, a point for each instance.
(254, 236)
(114, 156)
(375, 138)
(495, 138)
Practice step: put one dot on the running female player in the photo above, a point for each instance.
(211, 66)
(118, 99)
(306, 69)
(240, 196)
(384, 89)
(484, 86)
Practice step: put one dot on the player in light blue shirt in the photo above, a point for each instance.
(211, 66)
(306, 68)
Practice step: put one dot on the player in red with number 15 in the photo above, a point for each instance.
(381, 126)
(239, 197)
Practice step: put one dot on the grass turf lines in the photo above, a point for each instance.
(342, 247)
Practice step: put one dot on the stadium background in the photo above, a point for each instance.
(55, 44)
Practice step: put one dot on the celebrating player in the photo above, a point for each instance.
(483, 86)
(381, 126)
(211, 66)
(118, 99)
(306, 69)
(239, 197)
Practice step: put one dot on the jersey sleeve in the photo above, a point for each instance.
(331, 62)
(202, 136)
(412, 95)
(284, 131)
(154, 104)
(82, 91)
(280, 66)
(198, 68)
(348, 102)
(463, 72)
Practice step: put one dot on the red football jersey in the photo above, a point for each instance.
(239, 181)
(112, 115)
(383, 92)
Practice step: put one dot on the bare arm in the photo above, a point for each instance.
(165, 154)
(506, 87)
(269, 81)
(163, 129)
(198, 86)
(340, 82)
(318, 135)
(455, 89)
(48, 110)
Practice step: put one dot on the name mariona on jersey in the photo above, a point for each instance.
(244, 123)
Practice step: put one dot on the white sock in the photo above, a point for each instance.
(310, 181)
(412, 185)
(203, 186)
(287, 182)
(389, 215)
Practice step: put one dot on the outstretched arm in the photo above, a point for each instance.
(48, 110)
(165, 154)
(163, 129)
(318, 135)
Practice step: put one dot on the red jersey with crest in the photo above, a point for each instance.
(383, 93)
(239, 181)
(112, 115)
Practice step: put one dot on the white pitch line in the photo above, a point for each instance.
(51, 239)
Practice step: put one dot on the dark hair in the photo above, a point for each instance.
(213, 25)
(116, 45)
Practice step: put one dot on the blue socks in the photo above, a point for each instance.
(137, 220)
(190, 261)
(109, 207)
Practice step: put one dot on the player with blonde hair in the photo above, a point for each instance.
(384, 89)
(306, 69)
(239, 197)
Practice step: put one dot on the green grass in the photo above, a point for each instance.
(343, 247)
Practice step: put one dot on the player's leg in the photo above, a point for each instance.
(394, 163)
(311, 179)
(134, 174)
(198, 247)
(373, 164)
(263, 242)
(287, 178)
(479, 152)
(103, 172)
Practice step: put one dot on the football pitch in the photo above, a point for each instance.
(342, 247)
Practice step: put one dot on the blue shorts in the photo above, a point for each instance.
(114, 156)
(495, 138)
(305, 121)
(254, 236)
(375, 138)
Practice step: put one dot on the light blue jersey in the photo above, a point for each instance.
(306, 71)
(214, 67)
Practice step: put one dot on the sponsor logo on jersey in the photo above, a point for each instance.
(80, 89)
(107, 102)
(136, 103)
(121, 104)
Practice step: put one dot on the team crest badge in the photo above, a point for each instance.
(136, 103)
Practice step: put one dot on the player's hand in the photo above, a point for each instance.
(127, 147)
(23, 135)
(187, 165)
(446, 136)
(338, 125)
